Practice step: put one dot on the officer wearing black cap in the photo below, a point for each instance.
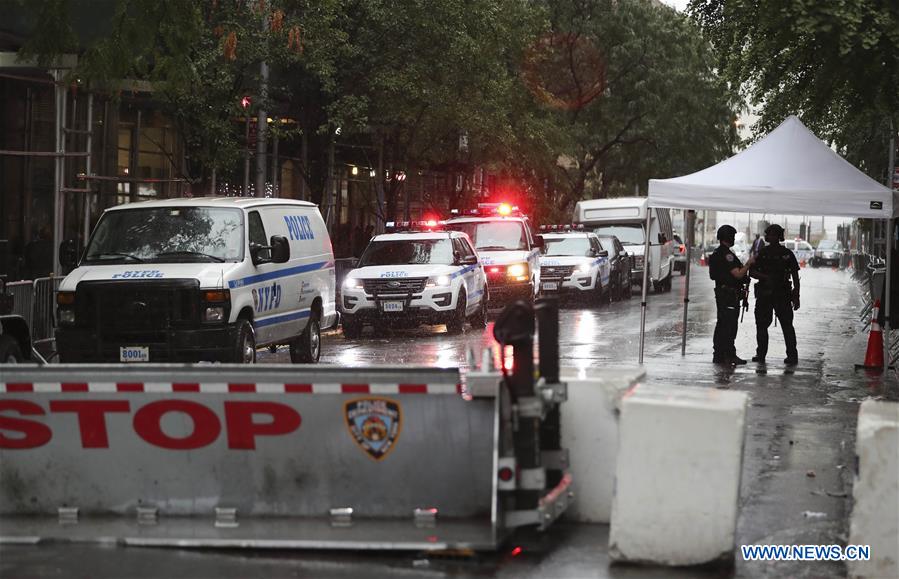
(775, 269)
(730, 277)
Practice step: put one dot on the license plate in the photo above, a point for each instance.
(134, 354)
(550, 286)
(393, 306)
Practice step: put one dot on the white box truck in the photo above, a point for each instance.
(625, 218)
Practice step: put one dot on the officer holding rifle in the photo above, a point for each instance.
(730, 282)
(775, 269)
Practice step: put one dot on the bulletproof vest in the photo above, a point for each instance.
(776, 262)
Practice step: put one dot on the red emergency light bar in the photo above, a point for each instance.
(565, 227)
(411, 226)
(487, 209)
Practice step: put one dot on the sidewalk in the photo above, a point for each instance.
(800, 438)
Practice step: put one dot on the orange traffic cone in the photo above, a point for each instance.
(874, 355)
(802, 263)
(702, 260)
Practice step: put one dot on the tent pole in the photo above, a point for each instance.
(890, 239)
(645, 279)
(886, 295)
(691, 217)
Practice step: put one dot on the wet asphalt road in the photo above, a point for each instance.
(797, 460)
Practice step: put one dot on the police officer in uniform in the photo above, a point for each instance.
(774, 269)
(730, 279)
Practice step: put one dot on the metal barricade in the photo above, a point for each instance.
(43, 320)
(266, 456)
(23, 299)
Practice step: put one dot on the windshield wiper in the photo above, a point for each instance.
(113, 254)
(195, 253)
(494, 248)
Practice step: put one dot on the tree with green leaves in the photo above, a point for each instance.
(834, 64)
(632, 87)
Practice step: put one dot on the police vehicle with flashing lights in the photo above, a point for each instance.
(208, 279)
(508, 248)
(574, 263)
(416, 273)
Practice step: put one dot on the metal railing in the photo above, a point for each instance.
(870, 272)
(23, 299)
(35, 301)
(43, 321)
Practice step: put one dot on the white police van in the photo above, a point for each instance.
(205, 279)
(625, 218)
(508, 248)
(575, 264)
(416, 274)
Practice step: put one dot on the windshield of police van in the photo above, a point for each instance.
(494, 235)
(167, 235)
(626, 234)
(579, 246)
(408, 252)
(829, 245)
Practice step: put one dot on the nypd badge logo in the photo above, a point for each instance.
(374, 424)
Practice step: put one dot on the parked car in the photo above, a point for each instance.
(679, 251)
(620, 261)
(828, 252)
(801, 249)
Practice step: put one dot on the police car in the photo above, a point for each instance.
(415, 273)
(508, 249)
(201, 279)
(574, 263)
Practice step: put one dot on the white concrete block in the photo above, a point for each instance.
(875, 514)
(590, 433)
(678, 478)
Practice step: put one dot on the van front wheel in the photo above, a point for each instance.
(307, 348)
(245, 349)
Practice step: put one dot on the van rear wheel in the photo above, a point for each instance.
(307, 348)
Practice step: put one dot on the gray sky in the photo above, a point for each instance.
(678, 4)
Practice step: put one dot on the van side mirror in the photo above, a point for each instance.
(469, 260)
(280, 249)
(622, 253)
(260, 253)
(539, 242)
(603, 253)
(68, 253)
(662, 238)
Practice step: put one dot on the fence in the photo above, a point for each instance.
(35, 301)
(870, 272)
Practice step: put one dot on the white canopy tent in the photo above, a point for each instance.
(789, 171)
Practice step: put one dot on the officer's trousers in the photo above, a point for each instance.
(766, 307)
(726, 327)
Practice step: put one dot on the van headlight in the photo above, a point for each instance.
(518, 271)
(65, 313)
(214, 314)
(65, 316)
(352, 283)
(439, 281)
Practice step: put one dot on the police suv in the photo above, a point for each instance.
(201, 279)
(508, 249)
(416, 273)
(574, 263)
